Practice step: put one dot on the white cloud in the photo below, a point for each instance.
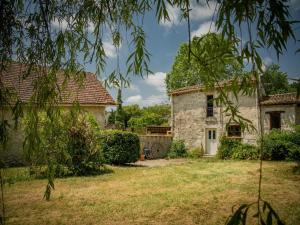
(204, 28)
(174, 15)
(110, 49)
(157, 80)
(59, 24)
(63, 24)
(202, 11)
(267, 61)
(91, 27)
(147, 101)
(134, 88)
(199, 11)
(135, 99)
(108, 46)
(155, 99)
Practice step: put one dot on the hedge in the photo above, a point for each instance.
(233, 149)
(119, 147)
(281, 145)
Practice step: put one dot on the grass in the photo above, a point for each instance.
(195, 192)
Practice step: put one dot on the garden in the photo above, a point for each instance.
(96, 181)
(199, 191)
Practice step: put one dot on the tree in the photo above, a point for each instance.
(136, 117)
(151, 115)
(130, 112)
(275, 81)
(188, 71)
(120, 115)
(27, 35)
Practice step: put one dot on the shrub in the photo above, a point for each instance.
(177, 149)
(119, 147)
(226, 147)
(294, 152)
(245, 151)
(70, 139)
(276, 145)
(83, 149)
(195, 153)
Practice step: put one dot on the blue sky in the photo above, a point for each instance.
(163, 41)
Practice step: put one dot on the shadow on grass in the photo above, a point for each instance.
(296, 170)
(16, 174)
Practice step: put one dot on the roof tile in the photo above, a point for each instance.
(90, 91)
(280, 99)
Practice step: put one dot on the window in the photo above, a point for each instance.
(275, 120)
(234, 131)
(210, 106)
(212, 135)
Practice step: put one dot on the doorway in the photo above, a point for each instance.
(211, 141)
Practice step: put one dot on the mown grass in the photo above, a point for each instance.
(195, 192)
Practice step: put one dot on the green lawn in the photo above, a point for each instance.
(195, 192)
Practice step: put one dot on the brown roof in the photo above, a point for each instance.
(188, 89)
(199, 87)
(89, 92)
(280, 99)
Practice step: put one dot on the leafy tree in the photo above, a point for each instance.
(188, 71)
(120, 115)
(27, 34)
(151, 115)
(275, 81)
(135, 117)
(295, 86)
(112, 117)
(130, 112)
(163, 110)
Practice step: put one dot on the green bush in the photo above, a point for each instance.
(233, 149)
(83, 148)
(245, 151)
(226, 147)
(294, 151)
(195, 153)
(276, 145)
(177, 149)
(119, 147)
(70, 139)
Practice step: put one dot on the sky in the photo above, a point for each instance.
(163, 39)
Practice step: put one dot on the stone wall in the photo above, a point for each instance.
(190, 122)
(298, 114)
(158, 145)
(288, 116)
(12, 155)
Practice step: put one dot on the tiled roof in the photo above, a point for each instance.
(280, 99)
(199, 87)
(89, 92)
(188, 89)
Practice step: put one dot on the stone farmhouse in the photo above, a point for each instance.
(198, 121)
(91, 95)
